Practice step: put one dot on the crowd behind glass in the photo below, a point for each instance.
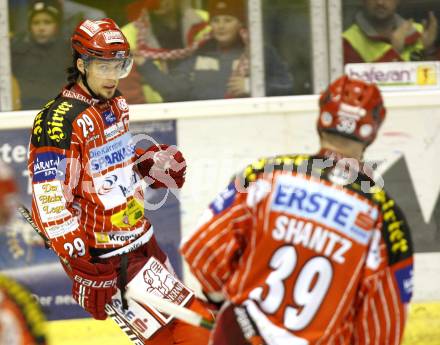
(194, 50)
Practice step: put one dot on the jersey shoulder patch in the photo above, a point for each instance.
(395, 229)
(270, 164)
(53, 124)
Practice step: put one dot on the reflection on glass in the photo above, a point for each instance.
(34, 55)
(161, 34)
(212, 63)
(181, 52)
(287, 29)
(390, 30)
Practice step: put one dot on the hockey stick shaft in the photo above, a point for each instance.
(110, 310)
(177, 311)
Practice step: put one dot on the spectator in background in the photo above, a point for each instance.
(73, 13)
(166, 31)
(220, 67)
(34, 56)
(379, 34)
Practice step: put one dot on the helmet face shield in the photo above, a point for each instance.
(109, 68)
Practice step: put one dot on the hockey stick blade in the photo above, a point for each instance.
(181, 313)
(110, 310)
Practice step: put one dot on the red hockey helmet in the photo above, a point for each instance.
(101, 39)
(351, 108)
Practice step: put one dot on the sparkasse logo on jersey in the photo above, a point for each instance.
(112, 153)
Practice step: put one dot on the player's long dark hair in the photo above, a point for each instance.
(73, 72)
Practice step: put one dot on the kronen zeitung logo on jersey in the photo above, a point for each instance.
(117, 237)
(324, 204)
(112, 153)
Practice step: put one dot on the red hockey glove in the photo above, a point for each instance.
(163, 164)
(93, 286)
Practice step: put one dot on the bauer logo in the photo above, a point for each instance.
(224, 200)
(404, 279)
(46, 166)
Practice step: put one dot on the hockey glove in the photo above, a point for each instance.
(163, 166)
(93, 286)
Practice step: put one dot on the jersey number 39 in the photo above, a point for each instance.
(308, 291)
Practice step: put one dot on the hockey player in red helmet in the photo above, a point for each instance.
(88, 197)
(312, 251)
(351, 109)
(101, 56)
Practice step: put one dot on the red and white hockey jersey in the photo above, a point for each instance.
(317, 255)
(85, 192)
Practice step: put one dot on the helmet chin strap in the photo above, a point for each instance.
(89, 89)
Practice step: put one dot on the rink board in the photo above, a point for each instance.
(218, 138)
(423, 329)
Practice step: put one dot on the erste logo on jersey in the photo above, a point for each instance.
(115, 152)
(46, 166)
(224, 199)
(329, 206)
